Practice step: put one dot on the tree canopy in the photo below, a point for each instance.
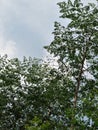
(77, 49)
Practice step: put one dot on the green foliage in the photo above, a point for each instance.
(30, 90)
(76, 47)
(38, 124)
(20, 91)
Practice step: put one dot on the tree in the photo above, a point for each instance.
(28, 94)
(76, 47)
(21, 92)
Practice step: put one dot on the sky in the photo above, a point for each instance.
(27, 25)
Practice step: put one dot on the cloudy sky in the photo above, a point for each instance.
(26, 26)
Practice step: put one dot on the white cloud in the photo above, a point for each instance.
(36, 16)
(7, 47)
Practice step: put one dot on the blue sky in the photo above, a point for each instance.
(26, 26)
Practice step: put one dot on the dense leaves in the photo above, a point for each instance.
(76, 47)
(31, 90)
